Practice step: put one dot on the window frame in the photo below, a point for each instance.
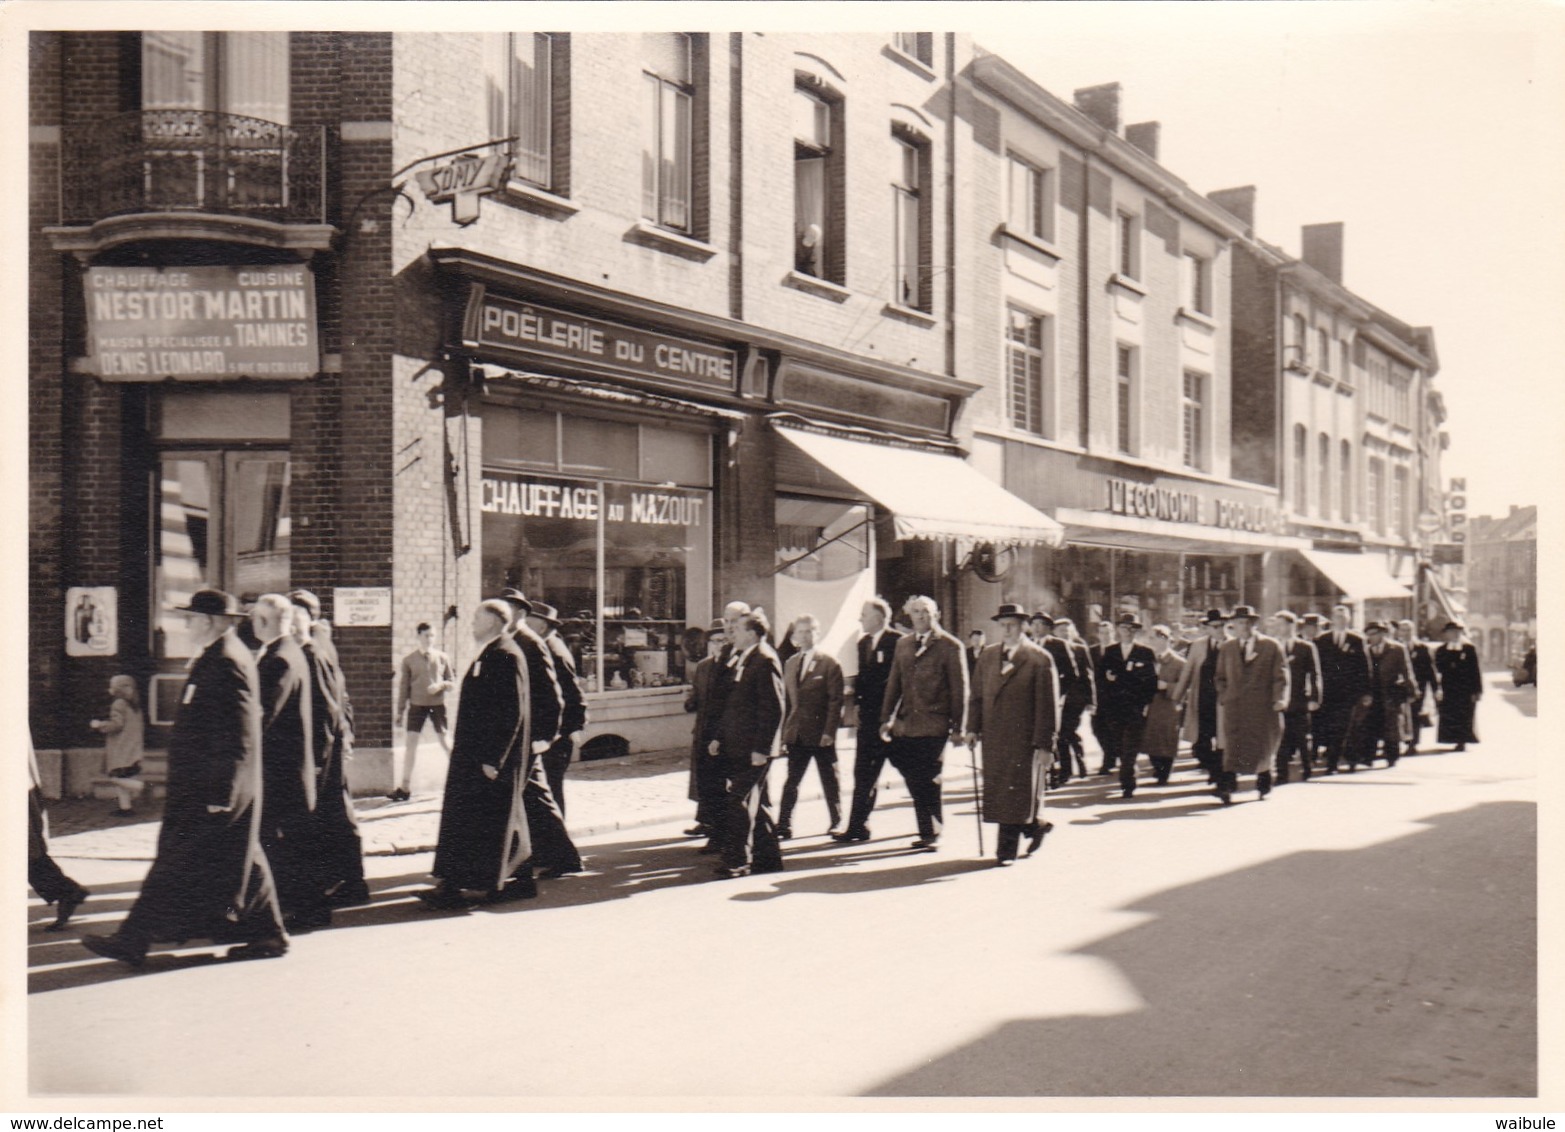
(918, 46)
(542, 168)
(1127, 366)
(1193, 419)
(831, 254)
(1040, 203)
(1301, 469)
(1127, 239)
(1198, 283)
(680, 93)
(1323, 451)
(915, 150)
(1039, 401)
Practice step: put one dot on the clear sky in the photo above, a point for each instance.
(1434, 130)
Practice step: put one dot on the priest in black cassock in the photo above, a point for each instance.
(210, 879)
(483, 842)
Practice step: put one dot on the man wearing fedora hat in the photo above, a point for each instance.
(1073, 669)
(1013, 712)
(1345, 695)
(544, 620)
(1252, 689)
(1197, 690)
(1127, 683)
(554, 853)
(210, 878)
(1391, 684)
(1303, 698)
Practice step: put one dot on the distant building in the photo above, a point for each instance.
(1502, 583)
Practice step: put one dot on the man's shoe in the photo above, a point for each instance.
(1035, 838)
(516, 889)
(851, 835)
(308, 921)
(1127, 793)
(1005, 862)
(555, 872)
(116, 812)
(115, 947)
(349, 895)
(927, 844)
(66, 907)
(443, 897)
(729, 872)
(272, 947)
(709, 847)
(698, 830)
(784, 832)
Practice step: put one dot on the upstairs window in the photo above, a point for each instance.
(1125, 399)
(817, 161)
(1301, 346)
(1027, 372)
(1323, 349)
(911, 244)
(915, 45)
(1301, 470)
(1195, 420)
(668, 93)
(1324, 471)
(237, 72)
(1029, 206)
(1345, 481)
(1198, 284)
(520, 74)
(1128, 240)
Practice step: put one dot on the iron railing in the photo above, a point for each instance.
(192, 160)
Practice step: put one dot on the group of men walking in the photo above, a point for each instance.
(259, 839)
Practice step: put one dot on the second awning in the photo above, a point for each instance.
(1362, 577)
(930, 496)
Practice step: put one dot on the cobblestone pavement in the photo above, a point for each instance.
(600, 797)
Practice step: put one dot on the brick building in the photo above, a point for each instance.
(1502, 583)
(704, 342)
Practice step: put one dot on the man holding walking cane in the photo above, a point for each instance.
(1014, 711)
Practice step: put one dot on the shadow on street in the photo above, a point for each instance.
(1390, 970)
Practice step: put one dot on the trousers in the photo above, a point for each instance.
(920, 761)
(746, 834)
(799, 759)
(869, 759)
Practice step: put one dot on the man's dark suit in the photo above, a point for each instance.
(288, 783)
(1126, 687)
(869, 754)
(748, 725)
(1344, 671)
(553, 850)
(1078, 692)
(1427, 683)
(813, 712)
(1391, 684)
(573, 717)
(1304, 683)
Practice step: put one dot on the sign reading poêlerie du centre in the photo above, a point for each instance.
(150, 323)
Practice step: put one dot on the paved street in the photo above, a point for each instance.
(1363, 935)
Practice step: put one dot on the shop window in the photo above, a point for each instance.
(547, 440)
(1029, 199)
(590, 446)
(1212, 581)
(817, 175)
(1030, 395)
(667, 122)
(910, 218)
(526, 96)
(627, 564)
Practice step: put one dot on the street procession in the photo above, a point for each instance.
(259, 841)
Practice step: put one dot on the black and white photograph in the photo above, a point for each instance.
(678, 557)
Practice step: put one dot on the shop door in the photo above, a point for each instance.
(221, 521)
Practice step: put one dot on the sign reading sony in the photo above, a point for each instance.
(148, 323)
(493, 320)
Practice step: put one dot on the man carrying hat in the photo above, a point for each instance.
(1073, 669)
(545, 621)
(1391, 684)
(1127, 684)
(1252, 690)
(1013, 710)
(210, 879)
(1197, 690)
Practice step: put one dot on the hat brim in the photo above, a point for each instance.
(1009, 617)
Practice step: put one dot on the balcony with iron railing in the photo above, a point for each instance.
(241, 174)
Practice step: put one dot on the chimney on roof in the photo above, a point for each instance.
(1239, 203)
(1323, 249)
(1143, 135)
(1101, 104)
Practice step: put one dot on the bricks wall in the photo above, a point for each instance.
(1255, 367)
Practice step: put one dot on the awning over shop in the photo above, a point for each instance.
(1362, 577)
(1448, 605)
(930, 496)
(1127, 532)
(603, 391)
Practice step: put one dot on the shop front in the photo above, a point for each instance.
(1164, 547)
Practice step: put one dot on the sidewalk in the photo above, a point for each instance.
(600, 797)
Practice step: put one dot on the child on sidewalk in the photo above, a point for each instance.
(123, 731)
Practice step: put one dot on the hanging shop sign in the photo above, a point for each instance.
(463, 183)
(592, 344)
(201, 323)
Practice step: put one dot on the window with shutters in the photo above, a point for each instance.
(1028, 388)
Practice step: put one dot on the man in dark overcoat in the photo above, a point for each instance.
(1391, 684)
(553, 850)
(1425, 679)
(876, 649)
(544, 620)
(924, 709)
(746, 736)
(1078, 692)
(1344, 670)
(483, 843)
(812, 713)
(1303, 698)
(1461, 687)
(1127, 684)
(341, 860)
(699, 701)
(210, 879)
(288, 766)
(1197, 691)
(1013, 712)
